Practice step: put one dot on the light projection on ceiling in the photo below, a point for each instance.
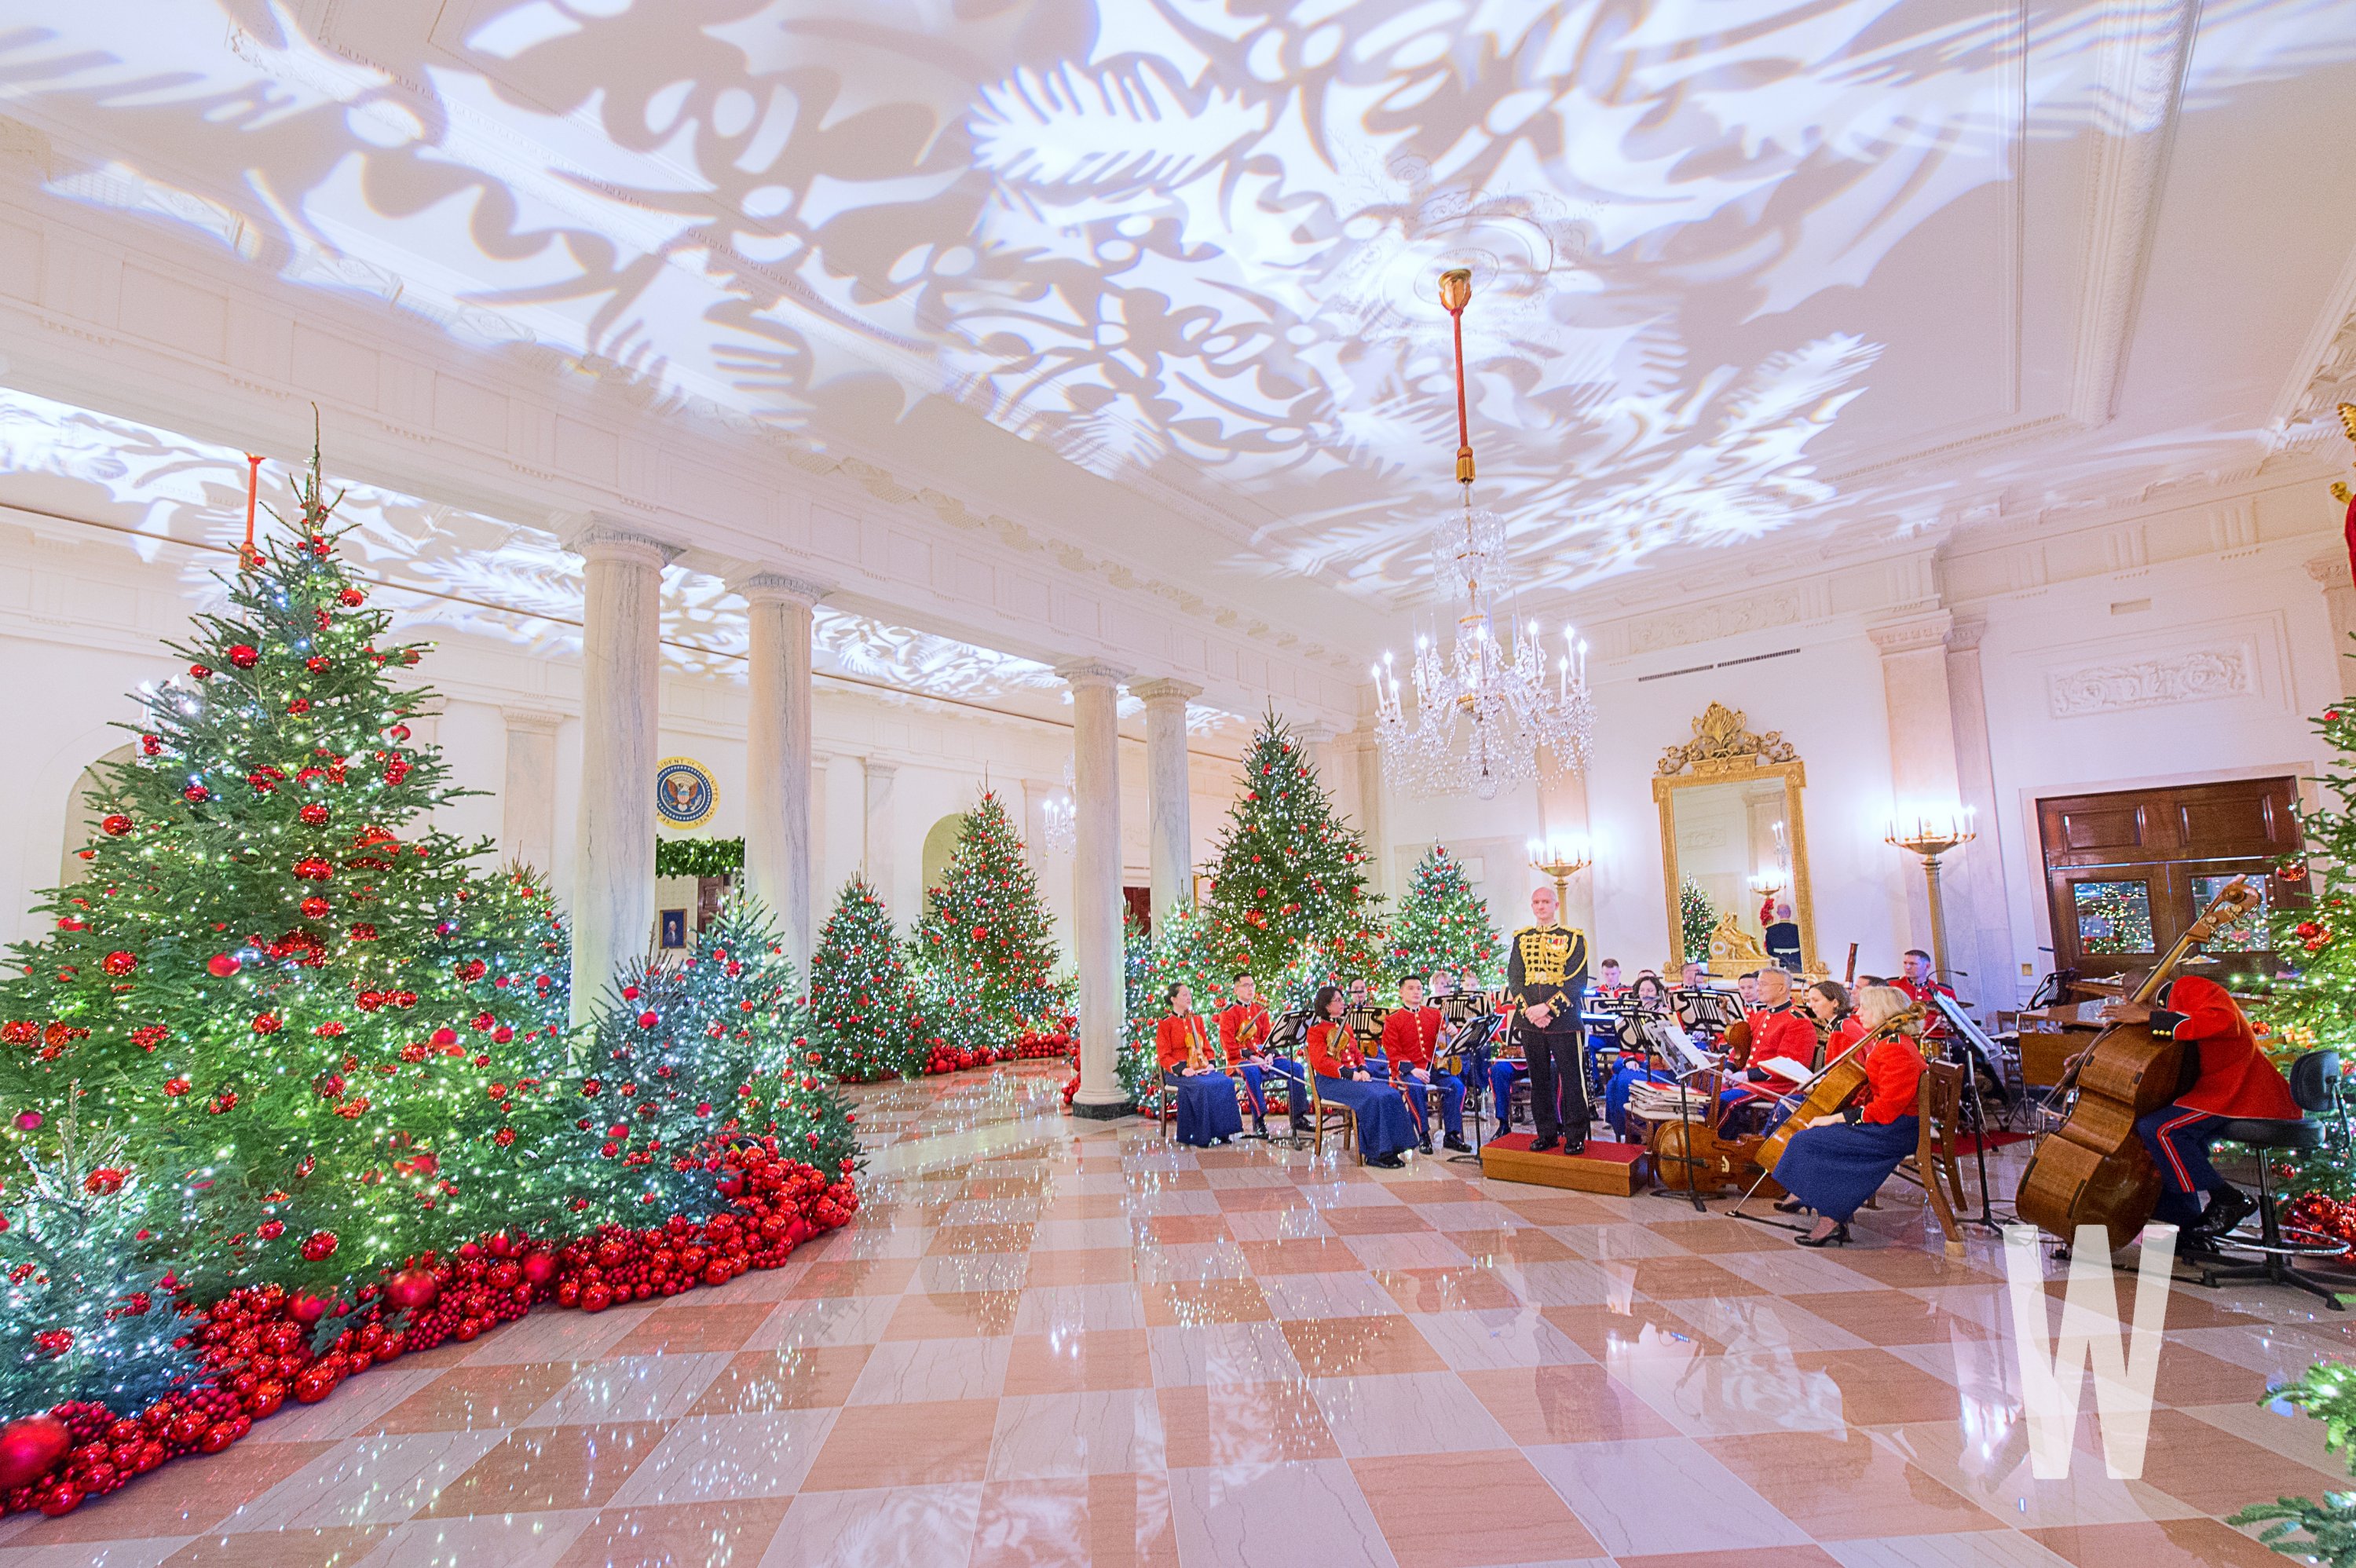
(1185, 244)
(467, 574)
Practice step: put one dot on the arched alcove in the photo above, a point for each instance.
(81, 816)
(940, 843)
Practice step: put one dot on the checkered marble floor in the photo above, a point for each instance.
(1056, 1342)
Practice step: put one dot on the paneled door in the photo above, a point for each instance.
(2126, 872)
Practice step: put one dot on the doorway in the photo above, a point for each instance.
(2126, 872)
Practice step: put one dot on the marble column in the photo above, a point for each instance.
(876, 859)
(1169, 834)
(613, 875)
(777, 751)
(821, 864)
(1923, 774)
(2330, 571)
(1317, 739)
(1563, 819)
(1096, 919)
(527, 798)
(1367, 761)
(1986, 942)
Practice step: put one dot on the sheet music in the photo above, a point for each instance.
(1784, 1067)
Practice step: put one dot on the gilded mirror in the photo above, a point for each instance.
(1732, 839)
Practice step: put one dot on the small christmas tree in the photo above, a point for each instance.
(1288, 872)
(1696, 919)
(863, 1009)
(278, 985)
(700, 1055)
(1440, 921)
(986, 942)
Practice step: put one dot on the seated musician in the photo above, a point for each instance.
(1829, 1004)
(1366, 1021)
(1243, 1030)
(1776, 1031)
(1747, 985)
(1638, 1065)
(1837, 1161)
(2236, 1083)
(1386, 1131)
(1411, 1041)
(1607, 981)
(1693, 976)
(1207, 1096)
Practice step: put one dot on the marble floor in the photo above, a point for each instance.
(1050, 1342)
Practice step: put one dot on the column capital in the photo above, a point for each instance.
(2330, 570)
(879, 767)
(1914, 632)
(1163, 688)
(533, 721)
(1316, 733)
(601, 535)
(761, 585)
(1083, 674)
(1966, 636)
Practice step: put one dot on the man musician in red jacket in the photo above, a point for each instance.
(2237, 1083)
(1243, 1030)
(1411, 1038)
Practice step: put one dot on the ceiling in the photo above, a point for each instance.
(1746, 271)
(461, 572)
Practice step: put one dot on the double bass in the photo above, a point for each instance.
(2093, 1170)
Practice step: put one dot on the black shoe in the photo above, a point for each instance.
(1455, 1143)
(1571, 1147)
(2226, 1210)
(1789, 1206)
(1543, 1142)
(1386, 1161)
(1838, 1238)
(1424, 1145)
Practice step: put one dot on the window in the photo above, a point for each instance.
(2113, 917)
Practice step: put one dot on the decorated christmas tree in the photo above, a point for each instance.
(700, 1055)
(1288, 873)
(1696, 919)
(985, 947)
(306, 1015)
(1440, 921)
(1186, 946)
(863, 1010)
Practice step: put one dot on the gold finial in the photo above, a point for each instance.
(2339, 491)
(1456, 292)
(2347, 414)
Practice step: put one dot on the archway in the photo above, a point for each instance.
(940, 843)
(81, 816)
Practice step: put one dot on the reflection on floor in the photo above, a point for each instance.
(1051, 1343)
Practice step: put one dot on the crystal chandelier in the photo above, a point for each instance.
(1059, 822)
(1485, 708)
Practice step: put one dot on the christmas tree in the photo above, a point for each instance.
(1696, 919)
(863, 1012)
(1187, 947)
(698, 1056)
(1288, 873)
(985, 946)
(306, 1014)
(1440, 921)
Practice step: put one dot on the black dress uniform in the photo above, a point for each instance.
(1548, 964)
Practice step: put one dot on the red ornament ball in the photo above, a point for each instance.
(318, 1245)
(119, 963)
(307, 1307)
(223, 965)
(313, 814)
(29, 1446)
(115, 826)
(412, 1288)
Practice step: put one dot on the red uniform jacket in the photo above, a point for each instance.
(1410, 1038)
(1332, 1051)
(2236, 1079)
(1782, 1032)
(1243, 1030)
(1934, 1025)
(1893, 1075)
(1171, 1037)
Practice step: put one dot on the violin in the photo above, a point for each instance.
(1842, 1080)
(2093, 1170)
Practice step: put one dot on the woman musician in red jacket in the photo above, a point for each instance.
(1385, 1130)
(1837, 1162)
(1207, 1096)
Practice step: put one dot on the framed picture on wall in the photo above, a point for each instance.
(671, 930)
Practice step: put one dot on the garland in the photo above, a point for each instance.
(699, 856)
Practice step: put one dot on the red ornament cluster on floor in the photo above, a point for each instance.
(257, 1345)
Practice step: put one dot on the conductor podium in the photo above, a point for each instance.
(1618, 1170)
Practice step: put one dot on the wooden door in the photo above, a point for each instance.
(2126, 872)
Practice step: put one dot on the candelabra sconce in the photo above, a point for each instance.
(1930, 838)
(1561, 862)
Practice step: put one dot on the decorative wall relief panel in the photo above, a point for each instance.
(2195, 674)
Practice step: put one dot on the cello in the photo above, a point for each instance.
(1840, 1081)
(2093, 1170)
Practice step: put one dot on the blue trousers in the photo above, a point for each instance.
(2179, 1140)
(1450, 1089)
(1257, 1074)
(1206, 1107)
(1384, 1125)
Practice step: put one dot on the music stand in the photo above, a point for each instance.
(1966, 1040)
(1476, 1036)
(1289, 1028)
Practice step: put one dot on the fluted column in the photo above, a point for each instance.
(2330, 574)
(1923, 775)
(1368, 760)
(1095, 917)
(1170, 833)
(877, 858)
(528, 799)
(1987, 931)
(777, 751)
(614, 862)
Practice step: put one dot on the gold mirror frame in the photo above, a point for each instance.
(1724, 750)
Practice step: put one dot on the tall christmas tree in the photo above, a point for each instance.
(1440, 921)
(697, 1056)
(986, 940)
(288, 996)
(862, 1005)
(1288, 873)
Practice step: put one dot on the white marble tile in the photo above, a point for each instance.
(1160, 1263)
(841, 1320)
(546, 1335)
(761, 1455)
(1751, 1324)
(358, 1404)
(906, 1527)
(1278, 1516)
(1725, 1396)
(1488, 1340)
(1409, 1249)
(143, 1553)
(1108, 1432)
(972, 1271)
(1220, 1353)
(1661, 1494)
(1990, 1466)
(1291, 1296)
(630, 1387)
(1071, 1235)
(369, 1480)
(903, 1372)
(1974, 1548)
(1069, 1307)
(1415, 1413)
(1565, 1284)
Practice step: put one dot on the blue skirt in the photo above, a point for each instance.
(1206, 1107)
(1835, 1170)
(1383, 1125)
